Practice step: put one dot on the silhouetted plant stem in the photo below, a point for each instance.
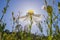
(49, 11)
(13, 27)
(1, 17)
(3, 25)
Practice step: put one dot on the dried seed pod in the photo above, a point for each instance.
(49, 10)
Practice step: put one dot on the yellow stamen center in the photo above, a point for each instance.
(30, 12)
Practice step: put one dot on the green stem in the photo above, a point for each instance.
(50, 29)
(31, 22)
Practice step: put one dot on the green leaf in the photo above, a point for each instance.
(2, 26)
(8, 1)
(12, 13)
(49, 37)
(45, 2)
(59, 6)
(28, 38)
(55, 18)
(4, 10)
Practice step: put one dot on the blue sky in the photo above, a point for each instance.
(23, 6)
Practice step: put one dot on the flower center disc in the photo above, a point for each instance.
(30, 12)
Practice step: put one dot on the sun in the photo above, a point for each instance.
(30, 12)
